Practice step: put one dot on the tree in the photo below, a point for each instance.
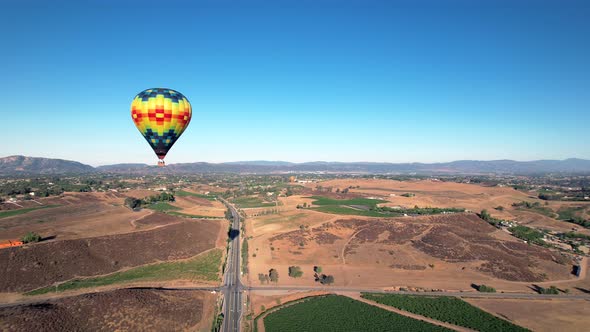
(295, 272)
(31, 237)
(261, 278)
(326, 279)
(132, 203)
(304, 204)
(317, 269)
(345, 191)
(274, 275)
(485, 215)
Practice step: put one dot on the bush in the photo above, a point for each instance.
(295, 272)
(31, 237)
(274, 275)
(317, 269)
(326, 279)
(551, 290)
(486, 289)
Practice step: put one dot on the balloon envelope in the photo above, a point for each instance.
(161, 115)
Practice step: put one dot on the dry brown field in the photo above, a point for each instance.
(42, 264)
(449, 252)
(200, 206)
(540, 315)
(117, 310)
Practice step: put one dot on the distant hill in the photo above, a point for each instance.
(15, 165)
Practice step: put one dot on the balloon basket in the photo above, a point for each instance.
(161, 163)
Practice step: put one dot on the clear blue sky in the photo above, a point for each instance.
(300, 80)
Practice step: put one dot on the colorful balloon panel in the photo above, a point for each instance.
(161, 115)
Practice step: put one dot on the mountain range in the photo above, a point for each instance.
(17, 165)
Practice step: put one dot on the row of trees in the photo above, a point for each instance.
(296, 272)
(136, 203)
(273, 275)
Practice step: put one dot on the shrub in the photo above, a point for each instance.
(31, 237)
(295, 272)
(486, 289)
(274, 275)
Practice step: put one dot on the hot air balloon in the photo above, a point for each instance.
(161, 115)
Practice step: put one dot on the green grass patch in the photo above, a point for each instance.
(182, 193)
(337, 209)
(570, 213)
(528, 234)
(321, 200)
(368, 207)
(244, 254)
(447, 309)
(340, 313)
(251, 202)
(10, 213)
(535, 207)
(187, 215)
(163, 207)
(201, 267)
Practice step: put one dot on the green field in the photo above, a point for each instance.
(194, 216)
(10, 213)
(201, 267)
(320, 200)
(528, 234)
(368, 207)
(336, 209)
(447, 309)
(340, 313)
(163, 207)
(251, 202)
(182, 193)
(569, 213)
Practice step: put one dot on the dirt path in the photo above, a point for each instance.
(133, 221)
(342, 253)
(357, 296)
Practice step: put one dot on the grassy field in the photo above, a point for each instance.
(531, 235)
(10, 213)
(571, 212)
(182, 193)
(251, 202)
(194, 216)
(320, 200)
(368, 207)
(337, 209)
(447, 309)
(340, 313)
(163, 207)
(201, 267)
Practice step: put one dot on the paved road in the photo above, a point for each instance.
(232, 288)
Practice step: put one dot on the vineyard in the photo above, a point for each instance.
(340, 313)
(447, 309)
